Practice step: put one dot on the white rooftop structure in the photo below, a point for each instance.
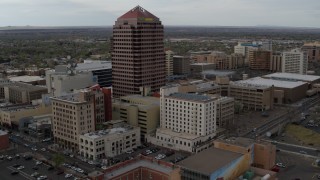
(106, 132)
(292, 77)
(258, 81)
(91, 65)
(26, 78)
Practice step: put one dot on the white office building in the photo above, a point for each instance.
(109, 142)
(294, 61)
(187, 121)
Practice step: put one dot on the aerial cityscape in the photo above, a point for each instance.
(159, 98)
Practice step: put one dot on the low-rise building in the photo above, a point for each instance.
(37, 126)
(60, 82)
(19, 93)
(109, 142)
(252, 96)
(229, 159)
(4, 140)
(142, 168)
(200, 67)
(34, 80)
(284, 91)
(11, 115)
(100, 69)
(138, 110)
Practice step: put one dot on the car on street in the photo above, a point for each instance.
(104, 167)
(20, 167)
(35, 168)
(38, 162)
(303, 152)
(35, 174)
(90, 162)
(42, 177)
(34, 149)
(9, 158)
(43, 149)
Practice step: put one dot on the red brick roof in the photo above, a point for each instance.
(138, 12)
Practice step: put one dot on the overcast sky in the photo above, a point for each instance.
(296, 13)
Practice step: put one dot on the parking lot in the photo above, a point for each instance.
(297, 166)
(30, 167)
(155, 151)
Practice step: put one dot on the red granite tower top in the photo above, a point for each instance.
(138, 12)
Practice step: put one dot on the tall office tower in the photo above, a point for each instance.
(138, 58)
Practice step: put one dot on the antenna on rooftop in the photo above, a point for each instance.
(71, 66)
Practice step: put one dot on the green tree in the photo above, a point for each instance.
(58, 159)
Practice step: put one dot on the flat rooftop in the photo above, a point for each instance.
(20, 86)
(183, 135)
(139, 99)
(201, 64)
(239, 141)
(191, 97)
(19, 107)
(258, 81)
(3, 133)
(91, 65)
(106, 132)
(138, 164)
(208, 161)
(26, 78)
(292, 77)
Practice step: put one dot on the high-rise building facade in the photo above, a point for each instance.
(169, 62)
(312, 50)
(138, 58)
(181, 65)
(294, 61)
(259, 59)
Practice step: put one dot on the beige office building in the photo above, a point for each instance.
(109, 142)
(72, 115)
(276, 62)
(11, 115)
(255, 97)
(18, 92)
(169, 62)
(312, 50)
(137, 110)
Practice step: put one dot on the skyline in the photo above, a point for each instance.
(174, 12)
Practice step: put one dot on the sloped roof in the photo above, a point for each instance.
(138, 12)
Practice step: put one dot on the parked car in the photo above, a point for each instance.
(281, 165)
(129, 151)
(50, 168)
(35, 174)
(35, 168)
(38, 162)
(68, 176)
(42, 177)
(60, 172)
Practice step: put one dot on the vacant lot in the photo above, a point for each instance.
(303, 134)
